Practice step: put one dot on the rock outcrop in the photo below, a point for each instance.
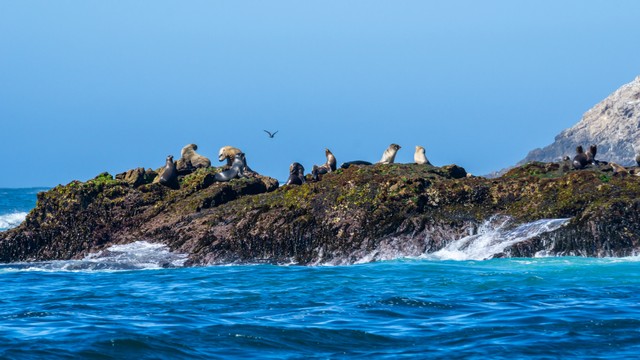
(613, 125)
(357, 214)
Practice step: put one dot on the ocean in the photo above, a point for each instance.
(137, 301)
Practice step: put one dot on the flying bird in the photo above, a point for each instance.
(270, 134)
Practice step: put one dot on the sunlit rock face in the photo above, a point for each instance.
(613, 125)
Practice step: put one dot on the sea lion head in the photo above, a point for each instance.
(579, 150)
(228, 152)
(170, 162)
(296, 168)
(395, 147)
(222, 153)
(331, 159)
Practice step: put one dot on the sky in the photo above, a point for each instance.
(91, 86)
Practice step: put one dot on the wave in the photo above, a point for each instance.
(139, 255)
(12, 220)
(493, 237)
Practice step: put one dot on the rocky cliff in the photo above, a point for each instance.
(357, 214)
(613, 125)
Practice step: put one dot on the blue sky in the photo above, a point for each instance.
(91, 86)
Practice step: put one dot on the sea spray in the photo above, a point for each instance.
(8, 221)
(493, 236)
(139, 255)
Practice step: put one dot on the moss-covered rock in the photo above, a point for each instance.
(352, 215)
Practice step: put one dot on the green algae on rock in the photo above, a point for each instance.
(363, 213)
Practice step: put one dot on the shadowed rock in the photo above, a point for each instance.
(358, 214)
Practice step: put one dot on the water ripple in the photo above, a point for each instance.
(502, 308)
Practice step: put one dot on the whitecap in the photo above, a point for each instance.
(139, 255)
(493, 237)
(12, 220)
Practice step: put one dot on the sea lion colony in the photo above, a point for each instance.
(236, 166)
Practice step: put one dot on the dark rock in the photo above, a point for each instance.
(184, 167)
(137, 177)
(357, 214)
(455, 171)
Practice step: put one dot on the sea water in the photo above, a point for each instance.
(137, 301)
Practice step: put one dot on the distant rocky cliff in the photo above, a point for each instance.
(613, 125)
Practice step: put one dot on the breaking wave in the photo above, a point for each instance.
(139, 255)
(12, 220)
(493, 237)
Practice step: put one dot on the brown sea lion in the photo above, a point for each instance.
(296, 174)
(619, 169)
(189, 154)
(328, 167)
(580, 160)
(229, 153)
(591, 154)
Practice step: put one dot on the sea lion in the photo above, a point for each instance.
(189, 154)
(328, 167)
(619, 169)
(228, 153)
(190, 161)
(580, 160)
(419, 157)
(389, 155)
(296, 174)
(346, 165)
(236, 170)
(591, 154)
(169, 177)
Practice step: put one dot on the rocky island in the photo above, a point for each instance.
(359, 214)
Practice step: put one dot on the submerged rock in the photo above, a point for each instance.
(353, 215)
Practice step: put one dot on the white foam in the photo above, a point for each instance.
(139, 255)
(9, 221)
(493, 237)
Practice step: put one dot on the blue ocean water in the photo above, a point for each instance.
(122, 304)
(15, 204)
